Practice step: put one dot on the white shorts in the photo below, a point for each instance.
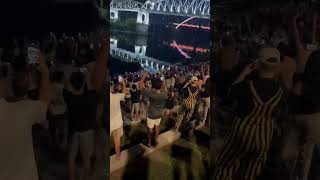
(153, 122)
(136, 107)
(118, 133)
(83, 141)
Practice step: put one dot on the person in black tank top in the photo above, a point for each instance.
(81, 97)
(169, 103)
(204, 105)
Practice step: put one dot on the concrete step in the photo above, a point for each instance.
(140, 150)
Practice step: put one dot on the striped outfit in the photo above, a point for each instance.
(244, 151)
(186, 110)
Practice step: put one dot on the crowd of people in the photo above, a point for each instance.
(57, 85)
(182, 93)
(267, 94)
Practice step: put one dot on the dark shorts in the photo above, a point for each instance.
(56, 121)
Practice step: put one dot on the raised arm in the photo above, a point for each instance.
(124, 88)
(296, 35)
(202, 73)
(248, 24)
(247, 70)
(100, 67)
(44, 92)
(314, 27)
(55, 40)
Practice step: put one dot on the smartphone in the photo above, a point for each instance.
(120, 78)
(162, 78)
(33, 53)
(83, 70)
(311, 47)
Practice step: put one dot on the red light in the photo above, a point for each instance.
(193, 26)
(188, 48)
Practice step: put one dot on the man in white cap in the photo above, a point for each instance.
(190, 94)
(256, 103)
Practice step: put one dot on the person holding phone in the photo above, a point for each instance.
(81, 95)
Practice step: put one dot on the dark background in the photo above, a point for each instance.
(37, 17)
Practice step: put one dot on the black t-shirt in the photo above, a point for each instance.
(223, 81)
(240, 96)
(205, 93)
(135, 96)
(185, 92)
(170, 103)
(82, 110)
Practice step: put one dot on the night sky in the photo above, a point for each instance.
(48, 15)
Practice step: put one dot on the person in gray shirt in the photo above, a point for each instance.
(157, 99)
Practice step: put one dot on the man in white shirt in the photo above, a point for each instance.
(18, 114)
(116, 121)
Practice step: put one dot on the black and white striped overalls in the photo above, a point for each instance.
(244, 151)
(186, 110)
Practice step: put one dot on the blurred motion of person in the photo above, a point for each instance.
(82, 98)
(17, 150)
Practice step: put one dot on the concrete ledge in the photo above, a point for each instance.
(131, 123)
(141, 150)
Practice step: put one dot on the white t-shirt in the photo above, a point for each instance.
(116, 120)
(16, 152)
